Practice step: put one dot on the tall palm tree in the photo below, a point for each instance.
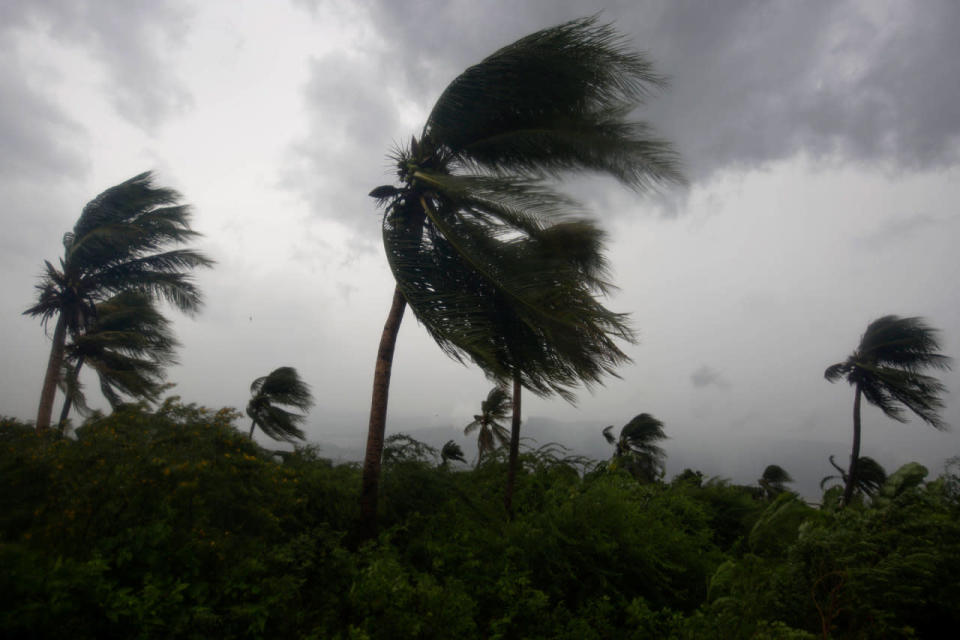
(120, 242)
(490, 433)
(283, 387)
(636, 447)
(773, 480)
(129, 344)
(886, 370)
(472, 192)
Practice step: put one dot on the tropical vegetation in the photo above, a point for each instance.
(636, 450)
(485, 252)
(269, 395)
(121, 242)
(490, 432)
(173, 523)
(887, 369)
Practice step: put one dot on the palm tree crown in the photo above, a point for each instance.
(636, 447)
(773, 480)
(283, 387)
(490, 433)
(120, 242)
(886, 369)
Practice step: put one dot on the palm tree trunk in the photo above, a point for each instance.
(52, 377)
(514, 446)
(370, 483)
(855, 454)
(253, 424)
(68, 400)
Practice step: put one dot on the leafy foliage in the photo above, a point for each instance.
(172, 523)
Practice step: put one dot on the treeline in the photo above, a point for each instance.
(173, 523)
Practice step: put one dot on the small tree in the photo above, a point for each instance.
(886, 370)
(283, 387)
(773, 481)
(486, 424)
(636, 450)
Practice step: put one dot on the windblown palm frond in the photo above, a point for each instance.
(283, 387)
(129, 344)
(636, 450)
(886, 369)
(870, 476)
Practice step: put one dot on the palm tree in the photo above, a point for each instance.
(636, 450)
(129, 344)
(490, 433)
(451, 451)
(283, 387)
(870, 476)
(472, 192)
(886, 370)
(773, 480)
(118, 243)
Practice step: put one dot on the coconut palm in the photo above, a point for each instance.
(451, 451)
(283, 387)
(471, 192)
(486, 424)
(129, 344)
(120, 242)
(886, 370)
(870, 476)
(636, 449)
(773, 480)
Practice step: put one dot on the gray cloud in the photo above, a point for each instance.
(132, 38)
(707, 376)
(752, 82)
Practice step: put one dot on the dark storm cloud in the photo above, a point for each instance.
(707, 376)
(131, 37)
(752, 82)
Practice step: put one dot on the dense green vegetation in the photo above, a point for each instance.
(173, 523)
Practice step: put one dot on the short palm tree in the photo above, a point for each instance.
(472, 192)
(870, 476)
(120, 242)
(129, 345)
(774, 480)
(283, 387)
(451, 451)
(636, 447)
(486, 424)
(886, 370)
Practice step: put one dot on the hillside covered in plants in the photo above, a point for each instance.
(174, 524)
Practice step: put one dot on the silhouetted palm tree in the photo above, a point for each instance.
(118, 243)
(490, 433)
(451, 451)
(870, 476)
(886, 370)
(636, 450)
(773, 480)
(283, 387)
(129, 345)
(549, 103)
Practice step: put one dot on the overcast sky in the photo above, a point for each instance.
(821, 139)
